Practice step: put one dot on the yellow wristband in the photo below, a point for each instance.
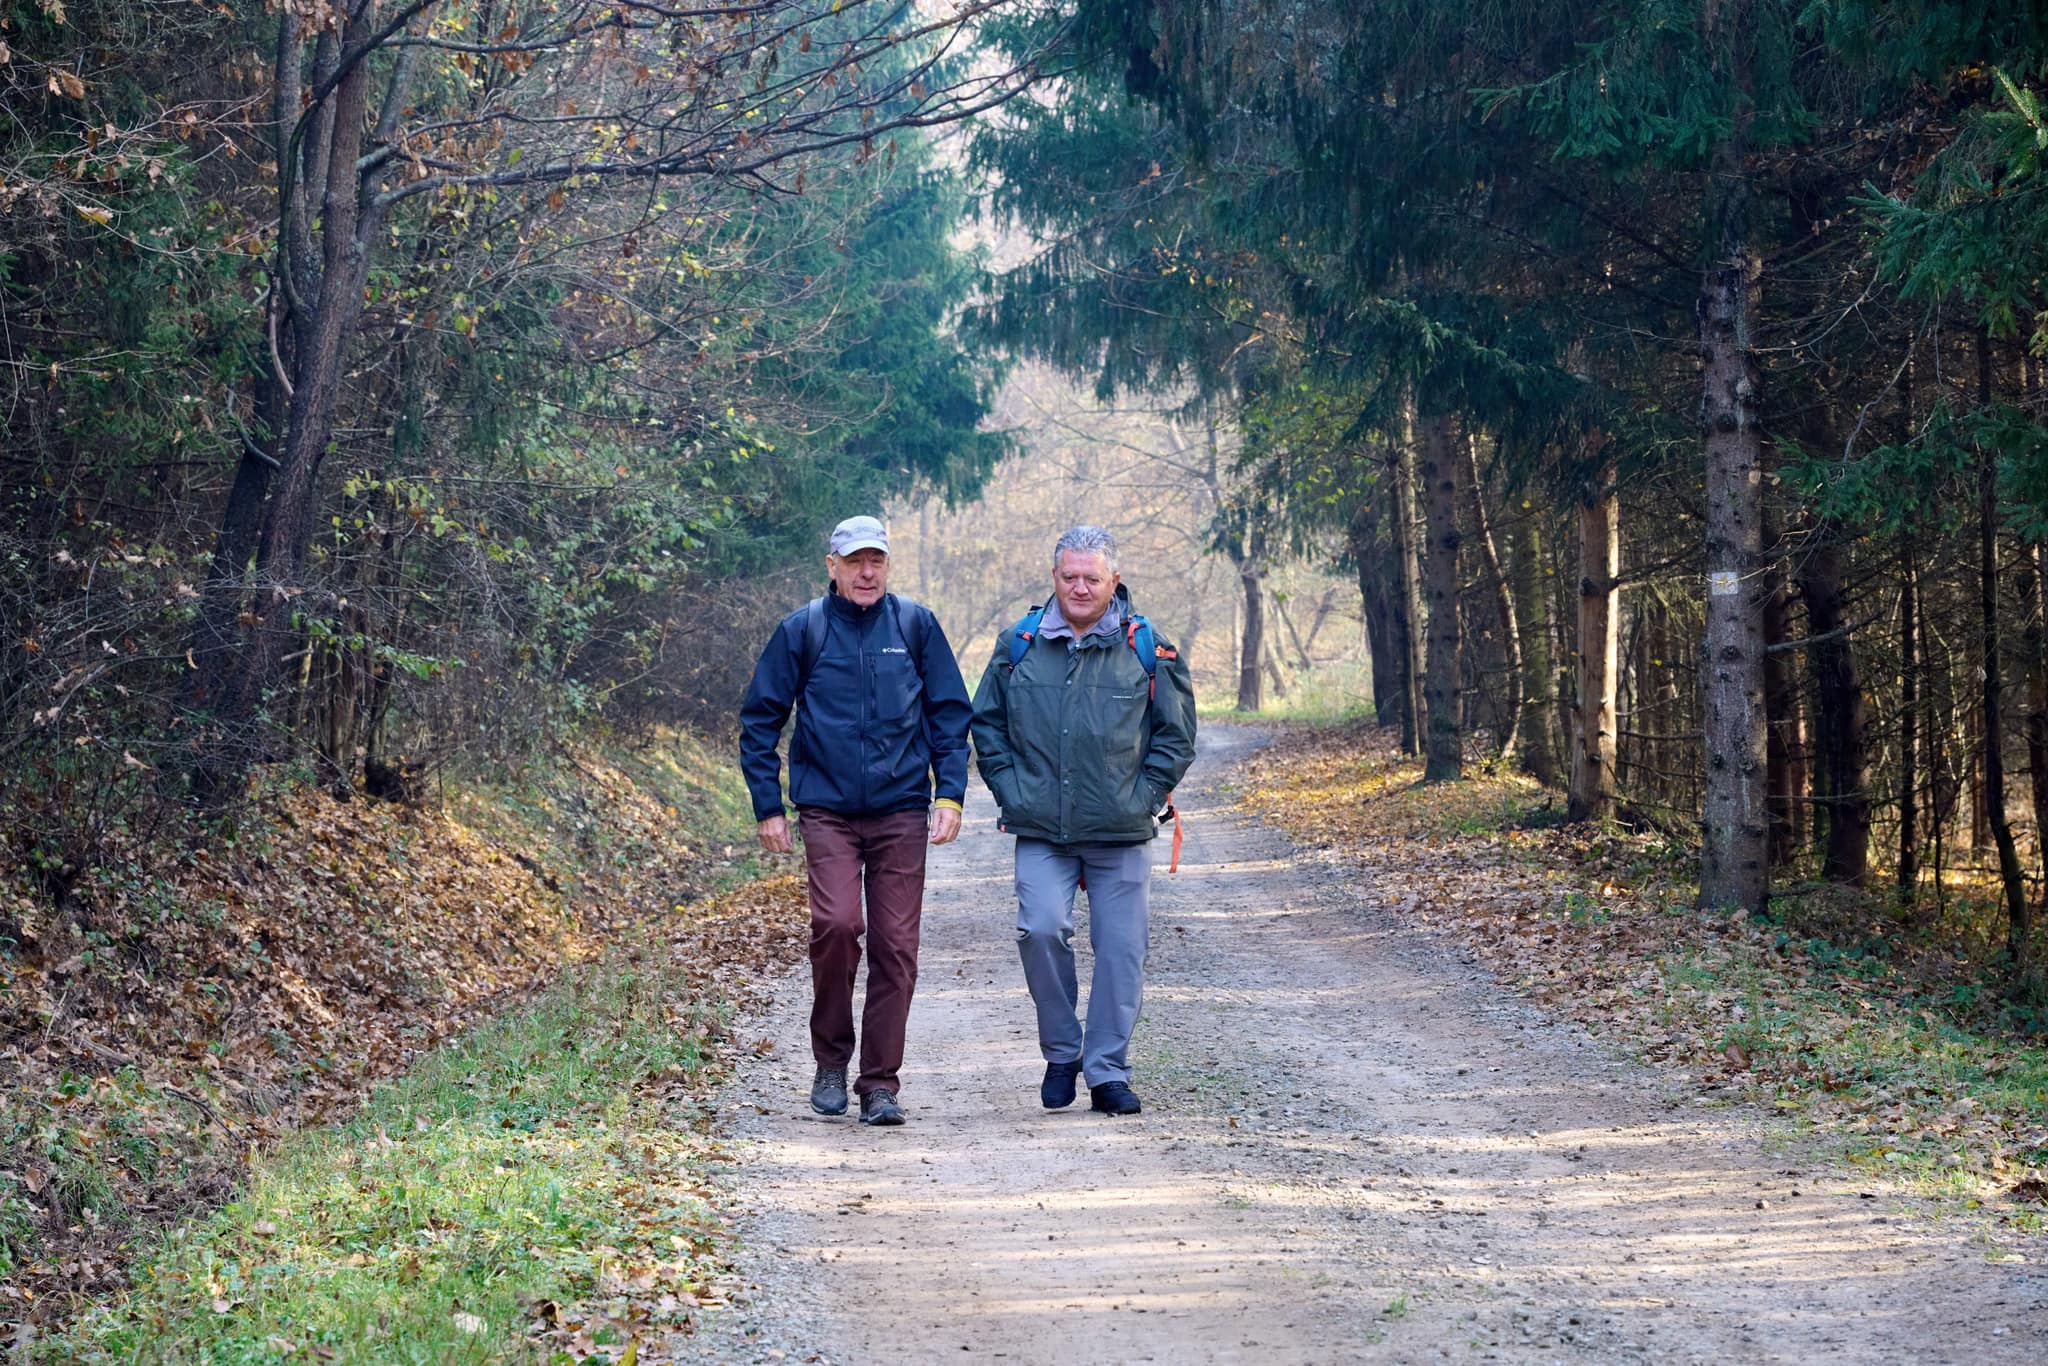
(949, 802)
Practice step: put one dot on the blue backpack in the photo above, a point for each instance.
(1137, 634)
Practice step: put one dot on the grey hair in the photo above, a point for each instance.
(1085, 540)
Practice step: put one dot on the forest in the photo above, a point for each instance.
(1652, 394)
(1665, 373)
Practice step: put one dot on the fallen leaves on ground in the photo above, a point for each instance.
(186, 1005)
(1597, 925)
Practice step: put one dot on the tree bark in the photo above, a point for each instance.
(1372, 555)
(1841, 721)
(1503, 607)
(1599, 657)
(1441, 462)
(1908, 871)
(326, 299)
(2037, 698)
(2019, 927)
(1783, 778)
(1252, 644)
(1538, 734)
(1735, 819)
(1270, 657)
(1409, 604)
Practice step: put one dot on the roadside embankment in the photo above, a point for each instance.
(184, 1011)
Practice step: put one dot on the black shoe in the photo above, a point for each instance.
(880, 1109)
(828, 1091)
(1056, 1092)
(1114, 1098)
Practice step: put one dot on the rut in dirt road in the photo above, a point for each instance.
(1354, 1145)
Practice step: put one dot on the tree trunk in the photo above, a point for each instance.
(1441, 462)
(2037, 699)
(1599, 656)
(1504, 609)
(1270, 658)
(1373, 556)
(1782, 781)
(1538, 736)
(1908, 872)
(1316, 624)
(1840, 715)
(1252, 644)
(215, 632)
(2019, 928)
(326, 299)
(1735, 820)
(1301, 655)
(1409, 604)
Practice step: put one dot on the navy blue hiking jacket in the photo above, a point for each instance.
(873, 726)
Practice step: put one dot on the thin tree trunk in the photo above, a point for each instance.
(1410, 601)
(1538, 748)
(1503, 606)
(1599, 657)
(1252, 648)
(2019, 926)
(2037, 699)
(326, 304)
(1378, 574)
(1276, 672)
(1301, 658)
(1908, 872)
(214, 633)
(1735, 820)
(1441, 462)
(1784, 793)
(1316, 624)
(1840, 715)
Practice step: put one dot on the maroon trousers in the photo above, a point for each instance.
(884, 855)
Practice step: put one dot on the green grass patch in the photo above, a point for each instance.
(1909, 1089)
(1330, 695)
(534, 1163)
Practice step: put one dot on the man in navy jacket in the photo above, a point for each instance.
(881, 715)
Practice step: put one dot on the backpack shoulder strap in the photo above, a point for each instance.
(1023, 633)
(910, 619)
(1138, 635)
(813, 642)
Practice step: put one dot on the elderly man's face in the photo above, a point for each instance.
(861, 577)
(1084, 584)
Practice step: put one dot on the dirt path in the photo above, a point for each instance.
(1354, 1146)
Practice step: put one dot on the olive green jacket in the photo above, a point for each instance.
(1076, 743)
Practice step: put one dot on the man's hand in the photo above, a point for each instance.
(945, 825)
(775, 835)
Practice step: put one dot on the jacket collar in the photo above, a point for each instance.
(1053, 625)
(850, 609)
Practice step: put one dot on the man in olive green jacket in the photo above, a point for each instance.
(1081, 742)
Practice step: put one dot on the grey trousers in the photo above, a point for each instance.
(1119, 914)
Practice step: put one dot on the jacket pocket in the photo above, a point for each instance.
(898, 689)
